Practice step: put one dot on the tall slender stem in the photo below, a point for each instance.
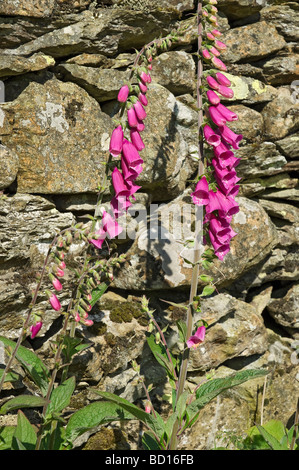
(195, 270)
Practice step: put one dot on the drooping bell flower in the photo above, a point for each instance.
(116, 141)
(216, 33)
(195, 340)
(225, 91)
(200, 195)
(206, 54)
(140, 125)
(132, 117)
(214, 51)
(130, 154)
(213, 97)
(119, 185)
(123, 94)
(119, 205)
(212, 83)
(230, 137)
(54, 302)
(220, 249)
(56, 284)
(222, 79)
(130, 172)
(218, 64)
(210, 136)
(220, 45)
(136, 139)
(140, 111)
(216, 117)
(210, 36)
(34, 329)
(142, 87)
(226, 113)
(222, 151)
(143, 99)
(220, 229)
(110, 225)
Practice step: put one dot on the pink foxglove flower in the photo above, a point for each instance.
(222, 151)
(214, 51)
(57, 284)
(212, 83)
(219, 64)
(225, 91)
(119, 185)
(131, 156)
(110, 225)
(230, 137)
(143, 99)
(210, 36)
(220, 249)
(140, 125)
(139, 110)
(116, 141)
(136, 139)
(195, 340)
(227, 113)
(34, 329)
(119, 205)
(143, 87)
(220, 45)
(54, 302)
(222, 79)
(216, 33)
(210, 136)
(132, 117)
(100, 235)
(206, 54)
(123, 94)
(200, 196)
(216, 117)
(213, 97)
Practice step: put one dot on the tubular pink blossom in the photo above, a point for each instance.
(230, 137)
(212, 83)
(132, 117)
(200, 196)
(226, 113)
(142, 87)
(219, 64)
(34, 329)
(225, 91)
(195, 340)
(119, 185)
(110, 225)
(116, 141)
(214, 51)
(143, 99)
(222, 151)
(206, 54)
(210, 136)
(57, 284)
(222, 79)
(220, 45)
(216, 117)
(119, 205)
(55, 302)
(140, 125)
(216, 33)
(136, 139)
(220, 228)
(100, 236)
(210, 36)
(131, 155)
(213, 97)
(139, 110)
(220, 249)
(123, 94)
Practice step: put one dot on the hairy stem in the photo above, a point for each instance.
(195, 271)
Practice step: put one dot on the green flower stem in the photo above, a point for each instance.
(195, 271)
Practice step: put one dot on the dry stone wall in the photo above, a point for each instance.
(62, 63)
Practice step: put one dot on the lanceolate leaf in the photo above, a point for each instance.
(22, 401)
(24, 437)
(156, 424)
(271, 440)
(209, 390)
(61, 396)
(160, 354)
(97, 293)
(33, 365)
(93, 415)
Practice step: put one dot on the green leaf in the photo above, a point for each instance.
(72, 346)
(10, 376)
(93, 415)
(24, 436)
(97, 293)
(209, 390)
(32, 364)
(22, 401)
(207, 290)
(156, 424)
(149, 442)
(61, 396)
(182, 330)
(270, 439)
(6, 436)
(159, 351)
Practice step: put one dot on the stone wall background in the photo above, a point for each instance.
(62, 63)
